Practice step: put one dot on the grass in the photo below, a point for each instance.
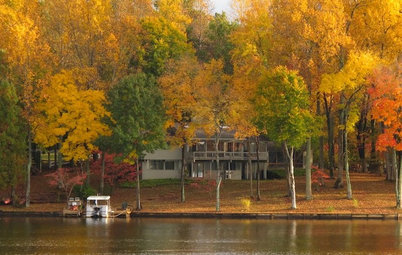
(153, 183)
(371, 194)
(281, 173)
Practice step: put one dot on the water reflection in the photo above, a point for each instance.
(198, 236)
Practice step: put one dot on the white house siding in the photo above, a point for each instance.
(162, 164)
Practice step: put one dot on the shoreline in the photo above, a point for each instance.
(218, 215)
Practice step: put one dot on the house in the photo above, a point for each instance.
(201, 158)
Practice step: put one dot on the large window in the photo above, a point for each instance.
(162, 164)
(156, 164)
(169, 165)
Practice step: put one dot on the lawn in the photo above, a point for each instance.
(372, 195)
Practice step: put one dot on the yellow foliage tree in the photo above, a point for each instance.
(349, 84)
(81, 35)
(179, 101)
(212, 109)
(28, 59)
(71, 117)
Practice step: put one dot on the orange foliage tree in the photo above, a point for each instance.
(386, 92)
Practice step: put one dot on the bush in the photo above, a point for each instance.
(84, 191)
(281, 173)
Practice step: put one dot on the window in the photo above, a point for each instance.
(169, 165)
(156, 164)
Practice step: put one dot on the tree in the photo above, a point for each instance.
(251, 41)
(12, 140)
(218, 41)
(70, 117)
(81, 35)
(199, 11)
(29, 60)
(161, 40)
(282, 106)
(349, 83)
(308, 36)
(386, 92)
(137, 111)
(179, 101)
(113, 172)
(66, 179)
(212, 109)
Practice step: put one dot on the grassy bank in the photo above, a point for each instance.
(372, 195)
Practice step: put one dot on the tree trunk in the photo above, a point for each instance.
(250, 168)
(399, 202)
(388, 170)
(373, 155)
(341, 146)
(321, 139)
(29, 165)
(183, 165)
(56, 160)
(397, 191)
(40, 161)
(291, 176)
(218, 186)
(137, 168)
(331, 146)
(102, 182)
(289, 182)
(13, 195)
(348, 183)
(48, 160)
(258, 169)
(88, 180)
(309, 195)
(218, 174)
(330, 134)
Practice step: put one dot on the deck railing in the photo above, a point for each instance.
(225, 155)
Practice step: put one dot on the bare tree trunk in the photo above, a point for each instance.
(309, 194)
(330, 134)
(29, 165)
(13, 195)
(291, 176)
(102, 183)
(56, 160)
(258, 169)
(399, 202)
(250, 168)
(321, 139)
(218, 185)
(137, 168)
(88, 180)
(348, 183)
(388, 167)
(48, 160)
(218, 174)
(341, 147)
(183, 165)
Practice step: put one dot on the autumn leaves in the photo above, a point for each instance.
(88, 70)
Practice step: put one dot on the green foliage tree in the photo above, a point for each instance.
(283, 112)
(219, 44)
(12, 142)
(137, 111)
(161, 40)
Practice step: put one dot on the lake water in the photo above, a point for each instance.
(198, 236)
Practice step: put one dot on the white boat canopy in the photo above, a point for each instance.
(98, 198)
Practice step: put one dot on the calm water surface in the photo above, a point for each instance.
(197, 236)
